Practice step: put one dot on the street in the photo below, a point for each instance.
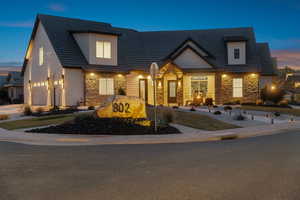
(263, 168)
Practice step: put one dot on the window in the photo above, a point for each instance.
(199, 86)
(103, 49)
(236, 53)
(237, 87)
(106, 86)
(41, 56)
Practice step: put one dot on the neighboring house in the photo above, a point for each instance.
(14, 86)
(73, 61)
(292, 86)
(3, 78)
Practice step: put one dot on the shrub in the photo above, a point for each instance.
(239, 117)
(27, 110)
(275, 96)
(192, 109)
(229, 137)
(168, 116)
(121, 91)
(276, 114)
(217, 112)
(208, 102)
(248, 104)
(39, 110)
(215, 106)
(4, 117)
(175, 107)
(227, 108)
(91, 108)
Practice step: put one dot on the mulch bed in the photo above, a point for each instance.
(89, 125)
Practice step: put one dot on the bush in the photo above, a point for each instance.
(237, 102)
(27, 110)
(175, 107)
(276, 114)
(4, 117)
(227, 108)
(192, 109)
(239, 117)
(215, 106)
(91, 108)
(248, 104)
(39, 110)
(217, 112)
(208, 102)
(168, 116)
(121, 91)
(275, 96)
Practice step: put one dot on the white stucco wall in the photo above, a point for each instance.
(87, 44)
(189, 59)
(230, 51)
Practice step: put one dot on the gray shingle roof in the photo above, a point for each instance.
(268, 64)
(137, 50)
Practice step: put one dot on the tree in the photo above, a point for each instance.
(271, 93)
(3, 96)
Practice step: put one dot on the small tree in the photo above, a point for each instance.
(272, 94)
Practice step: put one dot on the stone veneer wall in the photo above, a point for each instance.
(224, 88)
(92, 96)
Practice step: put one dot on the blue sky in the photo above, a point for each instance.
(274, 21)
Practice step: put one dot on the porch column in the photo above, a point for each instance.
(160, 91)
(218, 88)
(180, 91)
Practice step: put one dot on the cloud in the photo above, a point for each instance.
(57, 7)
(20, 24)
(287, 57)
(291, 43)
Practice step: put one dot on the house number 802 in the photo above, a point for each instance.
(120, 107)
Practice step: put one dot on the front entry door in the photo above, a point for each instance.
(172, 91)
(143, 90)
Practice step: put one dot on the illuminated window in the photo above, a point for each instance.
(297, 84)
(236, 53)
(237, 87)
(106, 86)
(103, 49)
(41, 56)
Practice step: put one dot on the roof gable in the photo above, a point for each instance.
(190, 59)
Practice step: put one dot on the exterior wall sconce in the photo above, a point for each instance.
(62, 81)
(253, 75)
(273, 87)
(92, 74)
(179, 83)
(224, 75)
(140, 76)
(159, 84)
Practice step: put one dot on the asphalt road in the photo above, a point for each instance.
(264, 168)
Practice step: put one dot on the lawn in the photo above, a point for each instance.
(194, 120)
(39, 121)
(289, 111)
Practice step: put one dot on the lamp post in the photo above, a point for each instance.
(153, 72)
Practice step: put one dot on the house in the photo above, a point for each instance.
(14, 86)
(72, 61)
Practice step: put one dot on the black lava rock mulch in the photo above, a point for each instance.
(105, 126)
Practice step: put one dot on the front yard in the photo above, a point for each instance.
(193, 120)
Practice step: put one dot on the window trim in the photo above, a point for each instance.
(103, 52)
(106, 92)
(234, 88)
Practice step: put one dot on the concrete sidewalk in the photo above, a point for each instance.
(192, 135)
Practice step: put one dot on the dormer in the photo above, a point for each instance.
(236, 50)
(98, 48)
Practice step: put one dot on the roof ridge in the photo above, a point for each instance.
(212, 29)
(71, 18)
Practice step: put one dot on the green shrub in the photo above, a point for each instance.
(217, 112)
(208, 102)
(276, 114)
(4, 117)
(229, 137)
(168, 116)
(239, 117)
(27, 110)
(91, 108)
(227, 108)
(121, 91)
(273, 95)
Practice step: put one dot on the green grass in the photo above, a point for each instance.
(194, 120)
(39, 121)
(289, 111)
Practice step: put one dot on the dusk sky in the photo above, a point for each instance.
(274, 21)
